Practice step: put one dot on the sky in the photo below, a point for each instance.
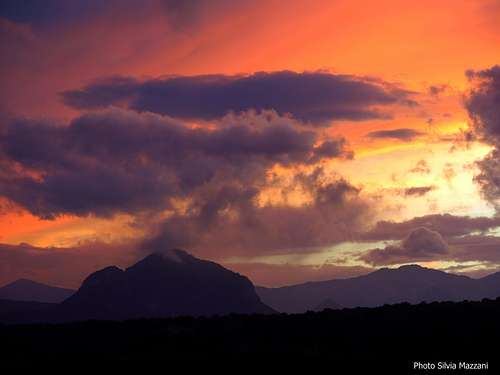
(289, 141)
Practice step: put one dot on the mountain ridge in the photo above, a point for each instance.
(408, 283)
(174, 283)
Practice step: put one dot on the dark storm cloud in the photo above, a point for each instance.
(420, 244)
(448, 225)
(483, 102)
(122, 161)
(483, 105)
(402, 134)
(313, 97)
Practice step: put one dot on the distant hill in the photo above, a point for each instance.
(410, 283)
(328, 304)
(28, 290)
(169, 283)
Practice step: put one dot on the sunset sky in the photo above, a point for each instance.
(289, 141)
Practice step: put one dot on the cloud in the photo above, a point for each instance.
(312, 97)
(448, 225)
(488, 177)
(482, 102)
(436, 90)
(93, 38)
(122, 161)
(226, 221)
(418, 191)
(421, 167)
(481, 248)
(68, 267)
(219, 220)
(436, 237)
(420, 244)
(475, 251)
(423, 241)
(449, 172)
(483, 105)
(332, 149)
(402, 134)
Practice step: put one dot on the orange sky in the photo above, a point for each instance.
(415, 44)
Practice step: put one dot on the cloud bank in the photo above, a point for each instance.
(123, 161)
(420, 244)
(312, 97)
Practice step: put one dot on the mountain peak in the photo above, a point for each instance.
(412, 267)
(409, 270)
(409, 283)
(102, 276)
(174, 255)
(28, 283)
(404, 268)
(165, 283)
(22, 282)
(170, 258)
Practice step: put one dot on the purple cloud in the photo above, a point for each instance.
(312, 97)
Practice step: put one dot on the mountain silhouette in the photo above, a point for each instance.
(490, 285)
(411, 283)
(175, 283)
(164, 284)
(28, 290)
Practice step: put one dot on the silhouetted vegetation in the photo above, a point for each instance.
(387, 337)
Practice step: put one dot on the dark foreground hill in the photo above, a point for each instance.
(169, 283)
(29, 290)
(413, 284)
(388, 339)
